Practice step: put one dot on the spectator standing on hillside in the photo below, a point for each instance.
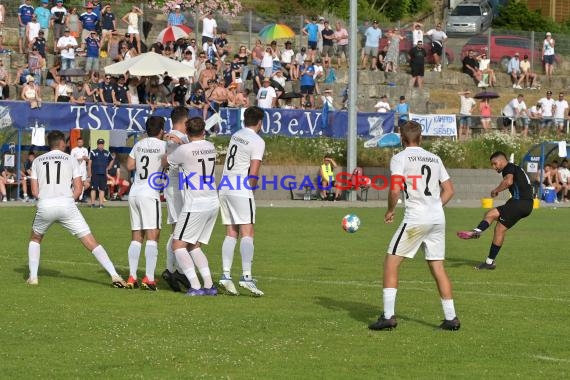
(66, 46)
(43, 15)
(373, 35)
(438, 38)
(417, 33)
(209, 28)
(327, 35)
(341, 38)
(40, 44)
(402, 108)
(548, 109)
(89, 21)
(485, 112)
(320, 27)
(466, 109)
(176, 17)
(25, 14)
(58, 16)
(32, 31)
(393, 50)
(92, 46)
(561, 110)
(72, 22)
(108, 24)
(311, 30)
(417, 63)
(132, 21)
(548, 56)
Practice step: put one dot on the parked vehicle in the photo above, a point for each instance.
(503, 48)
(470, 17)
(406, 46)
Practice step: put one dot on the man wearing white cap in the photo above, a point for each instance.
(548, 55)
(266, 97)
(176, 18)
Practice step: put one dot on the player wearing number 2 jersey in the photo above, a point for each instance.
(237, 204)
(56, 183)
(194, 227)
(423, 224)
(144, 201)
(519, 206)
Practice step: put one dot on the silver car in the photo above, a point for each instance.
(470, 17)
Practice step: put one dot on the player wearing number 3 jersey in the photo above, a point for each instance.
(427, 189)
(237, 203)
(144, 201)
(56, 182)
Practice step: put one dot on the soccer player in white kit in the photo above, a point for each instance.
(56, 183)
(194, 227)
(237, 204)
(419, 174)
(81, 154)
(173, 196)
(144, 202)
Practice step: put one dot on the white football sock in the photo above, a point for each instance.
(228, 248)
(246, 249)
(170, 258)
(389, 296)
(187, 266)
(151, 255)
(201, 261)
(33, 258)
(134, 253)
(448, 309)
(101, 256)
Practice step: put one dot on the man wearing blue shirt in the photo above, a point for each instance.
(108, 24)
(307, 72)
(25, 13)
(311, 30)
(100, 161)
(373, 35)
(43, 15)
(176, 18)
(89, 21)
(91, 45)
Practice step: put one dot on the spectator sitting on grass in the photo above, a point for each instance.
(514, 69)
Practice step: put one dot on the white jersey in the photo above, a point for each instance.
(79, 153)
(547, 105)
(423, 172)
(561, 109)
(197, 162)
(171, 147)
(147, 154)
(55, 172)
(245, 145)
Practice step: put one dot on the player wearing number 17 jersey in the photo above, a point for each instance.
(237, 205)
(57, 183)
(197, 218)
(423, 224)
(144, 201)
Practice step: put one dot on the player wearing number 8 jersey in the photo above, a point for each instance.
(237, 204)
(144, 201)
(423, 224)
(199, 212)
(56, 183)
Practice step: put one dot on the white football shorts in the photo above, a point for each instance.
(174, 201)
(408, 238)
(146, 213)
(68, 216)
(237, 210)
(196, 226)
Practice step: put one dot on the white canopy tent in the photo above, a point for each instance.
(148, 64)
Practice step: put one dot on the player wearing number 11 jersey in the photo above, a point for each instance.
(57, 183)
(423, 224)
(237, 204)
(144, 201)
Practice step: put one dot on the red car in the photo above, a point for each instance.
(406, 46)
(503, 48)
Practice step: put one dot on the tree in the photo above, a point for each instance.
(516, 16)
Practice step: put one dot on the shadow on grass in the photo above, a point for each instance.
(459, 262)
(45, 272)
(362, 312)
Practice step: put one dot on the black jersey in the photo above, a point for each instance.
(521, 188)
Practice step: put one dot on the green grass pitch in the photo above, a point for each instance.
(323, 287)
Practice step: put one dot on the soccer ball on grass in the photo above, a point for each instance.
(350, 223)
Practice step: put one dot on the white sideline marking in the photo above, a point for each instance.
(357, 283)
(550, 359)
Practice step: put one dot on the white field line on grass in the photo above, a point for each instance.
(361, 284)
(550, 359)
